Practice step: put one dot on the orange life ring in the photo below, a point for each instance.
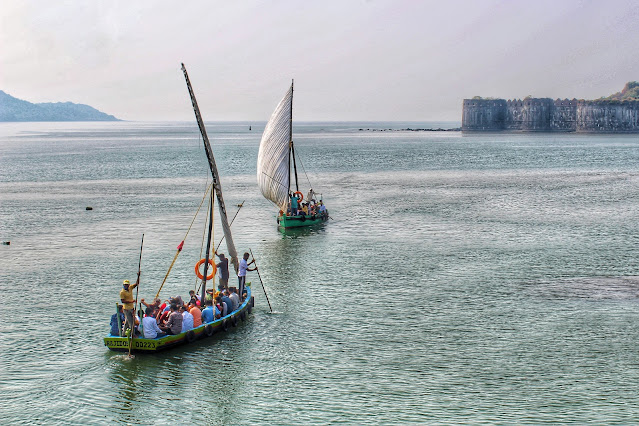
(301, 195)
(199, 274)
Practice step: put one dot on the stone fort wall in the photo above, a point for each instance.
(547, 115)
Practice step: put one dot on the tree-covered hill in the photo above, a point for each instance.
(13, 109)
(630, 92)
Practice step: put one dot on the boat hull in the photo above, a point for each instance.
(287, 222)
(121, 344)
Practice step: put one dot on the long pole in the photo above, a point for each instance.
(117, 312)
(214, 173)
(208, 250)
(290, 138)
(137, 288)
(260, 277)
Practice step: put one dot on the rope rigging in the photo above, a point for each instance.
(208, 215)
(179, 247)
(304, 169)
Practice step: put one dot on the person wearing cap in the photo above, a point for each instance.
(128, 302)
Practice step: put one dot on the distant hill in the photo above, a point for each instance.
(630, 92)
(13, 109)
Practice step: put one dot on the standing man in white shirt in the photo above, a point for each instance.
(241, 275)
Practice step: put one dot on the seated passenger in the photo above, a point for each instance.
(229, 303)
(192, 296)
(187, 320)
(209, 295)
(150, 326)
(305, 208)
(174, 324)
(136, 328)
(174, 300)
(209, 314)
(115, 330)
(235, 298)
(195, 311)
(155, 305)
(162, 317)
(223, 307)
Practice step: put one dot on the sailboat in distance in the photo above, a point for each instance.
(274, 161)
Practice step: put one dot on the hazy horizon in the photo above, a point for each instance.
(351, 61)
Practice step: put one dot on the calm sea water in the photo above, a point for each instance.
(464, 279)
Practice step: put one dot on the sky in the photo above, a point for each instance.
(351, 60)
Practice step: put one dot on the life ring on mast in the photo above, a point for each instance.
(199, 274)
(301, 195)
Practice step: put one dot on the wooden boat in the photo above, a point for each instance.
(139, 344)
(274, 160)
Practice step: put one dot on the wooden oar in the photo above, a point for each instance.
(260, 277)
(135, 305)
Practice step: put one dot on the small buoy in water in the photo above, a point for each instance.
(89, 208)
(6, 243)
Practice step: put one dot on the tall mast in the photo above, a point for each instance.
(208, 249)
(292, 150)
(216, 180)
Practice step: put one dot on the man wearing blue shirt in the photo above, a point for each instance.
(115, 330)
(208, 315)
(229, 303)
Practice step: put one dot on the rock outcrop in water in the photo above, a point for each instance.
(13, 109)
(619, 113)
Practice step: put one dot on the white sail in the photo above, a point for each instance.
(273, 157)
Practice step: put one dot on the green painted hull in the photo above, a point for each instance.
(287, 222)
(116, 343)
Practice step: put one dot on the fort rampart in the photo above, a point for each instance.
(547, 115)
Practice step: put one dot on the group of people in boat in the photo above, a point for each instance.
(298, 207)
(174, 316)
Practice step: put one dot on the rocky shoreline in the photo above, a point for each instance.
(408, 129)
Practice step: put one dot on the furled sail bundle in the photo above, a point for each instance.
(273, 168)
